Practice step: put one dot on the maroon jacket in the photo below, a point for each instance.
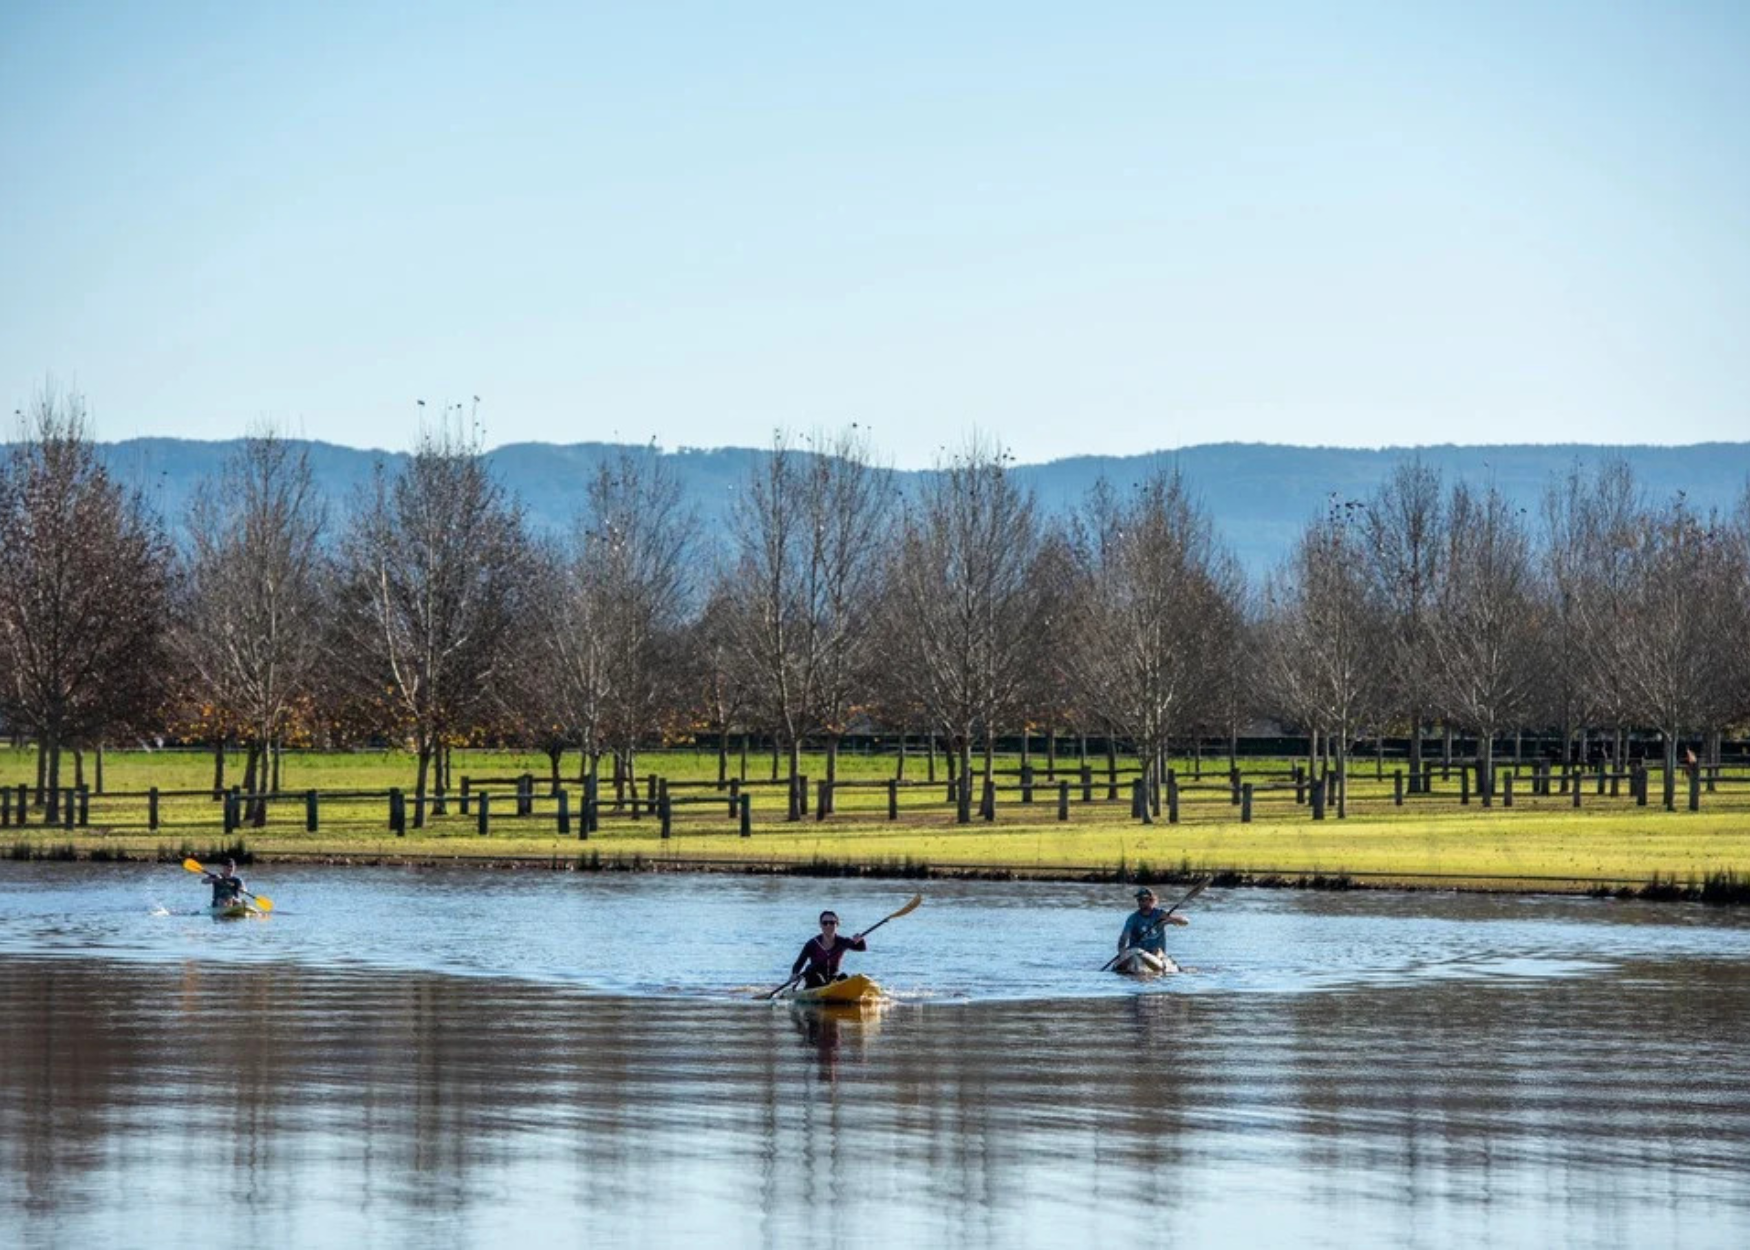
(823, 961)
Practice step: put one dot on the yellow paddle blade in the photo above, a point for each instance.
(193, 865)
(912, 906)
(262, 901)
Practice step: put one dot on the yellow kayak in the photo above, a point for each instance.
(233, 911)
(855, 989)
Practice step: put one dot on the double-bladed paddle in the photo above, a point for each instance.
(1149, 932)
(265, 903)
(912, 906)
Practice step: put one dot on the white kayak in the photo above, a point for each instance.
(1140, 963)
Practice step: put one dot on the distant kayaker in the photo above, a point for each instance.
(227, 886)
(1147, 925)
(821, 953)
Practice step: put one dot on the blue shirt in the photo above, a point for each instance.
(1140, 923)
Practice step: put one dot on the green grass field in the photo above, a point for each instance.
(1540, 843)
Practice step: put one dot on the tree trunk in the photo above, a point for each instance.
(744, 756)
(723, 760)
(54, 777)
(555, 754)
(419, 786)
(42, 768)
(963, 795)
(899, 770)
(930, 755)
(1415, 750)
(1343, 771)
(99, 760)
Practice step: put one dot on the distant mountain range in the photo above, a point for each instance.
(1259, 496)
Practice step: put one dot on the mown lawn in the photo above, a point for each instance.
(1542, 842)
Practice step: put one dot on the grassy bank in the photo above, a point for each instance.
(1541, 843)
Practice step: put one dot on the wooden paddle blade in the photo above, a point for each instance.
(193, 865)
(912, 906)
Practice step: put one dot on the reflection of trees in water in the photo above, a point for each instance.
(430, 1102)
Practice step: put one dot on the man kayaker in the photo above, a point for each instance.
(227, 886)
(1147, 925)
(822, 952)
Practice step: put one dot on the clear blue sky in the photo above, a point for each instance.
(1085, 228)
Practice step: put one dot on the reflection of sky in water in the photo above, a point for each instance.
(718, 935)
(464, 1057)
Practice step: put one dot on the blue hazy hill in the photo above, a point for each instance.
(1259, 495)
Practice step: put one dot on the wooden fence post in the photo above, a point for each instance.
(84, 807)
(1397, 787)
(989, 805)
(1316, 791)
(466, 805)
(1507, 790)
(1576, 795)
(483, 812)
(1234, 785)
(1063, 800)
(734, 797)
(1640, 785)
(1463, 786)
(1600, 777)
(1026, 783)
(1246, 803)
(312, 812)
(5, 806)
(665, 810)
(822, 800)
(229, 815)
(563, 798)
(1087, 783)
(1695, 789)
(892, 799)
(747, 815)
(152, 808)
(23, 801)
(1299, 786)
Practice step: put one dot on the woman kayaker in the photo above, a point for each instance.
(1147, 925)
(227, 886)
(821, 953)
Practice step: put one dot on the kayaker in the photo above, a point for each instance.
(821, 953)
(227, 886)
(1147, 925)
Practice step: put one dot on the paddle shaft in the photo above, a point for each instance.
(1150, 932)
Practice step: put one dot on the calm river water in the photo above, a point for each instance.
(416, 1057)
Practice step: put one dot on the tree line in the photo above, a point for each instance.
(426, 613)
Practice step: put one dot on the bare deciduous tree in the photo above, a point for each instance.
(1484, 626)
(810, 527)
(84, 592)
(965, 577)
(252, 630)
(1159, 593)
(1325, 635)
(1405, 538)
(437, 563)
